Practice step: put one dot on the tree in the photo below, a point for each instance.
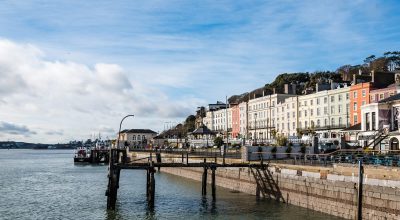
(218, 141)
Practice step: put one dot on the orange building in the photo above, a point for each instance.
(235, 121)
(359, 96)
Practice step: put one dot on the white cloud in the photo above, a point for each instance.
(69, 99)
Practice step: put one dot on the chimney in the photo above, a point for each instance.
(286, 90)
(372, 75)
(274, 90)
(354, 79)
(359, 72)
(263, 92)
(293, 88)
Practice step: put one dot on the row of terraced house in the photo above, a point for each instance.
(332, 110)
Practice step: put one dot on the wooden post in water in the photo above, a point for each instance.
(360, 189)
(151, 186)
(113, 182)
(204, 180)
(213, 167)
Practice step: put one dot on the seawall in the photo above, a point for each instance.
(315, 189)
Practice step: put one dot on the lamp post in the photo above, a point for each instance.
(255, 128)
(119, 132)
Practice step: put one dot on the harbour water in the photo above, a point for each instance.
(46, 184)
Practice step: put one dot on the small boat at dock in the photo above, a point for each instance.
(82, 154)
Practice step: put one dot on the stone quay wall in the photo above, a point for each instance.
(320, 191)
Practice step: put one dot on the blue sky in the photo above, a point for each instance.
(166, 57)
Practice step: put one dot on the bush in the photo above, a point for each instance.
(281, 140)
(288, 151)
(303, 149)
(273, 151)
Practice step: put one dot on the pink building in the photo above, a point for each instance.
(377, 95)
(235, 121)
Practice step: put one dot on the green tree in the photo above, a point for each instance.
(218, 141)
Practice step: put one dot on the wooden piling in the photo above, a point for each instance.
(151, 186)
(213, 188)
(204, 180)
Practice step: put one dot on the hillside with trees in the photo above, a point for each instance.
(389, 61)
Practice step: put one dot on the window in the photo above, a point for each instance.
(339, 108)
(325, 100)
(293, 125)
(305, 124)
(138, 137)
(317, 101)
(312, 112)
(380, 96)
(332, 122)
(347, 96)
(340, 121)
(305, 113)
(364, 93)
(134, 137)
(294, 114)
(311, 102)
(318, 112)
(355, 95)
(318, 123)
(305, 103)
(355, 119)
(300, 124)
(325, 110)
(292, 105)
(340, 97)
(332, 109)
(299, 113)
(288, 115)
(355, 106)
(326, 122)
(332, 98)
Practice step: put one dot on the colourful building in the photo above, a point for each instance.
(359, 96)
(235, 121)
(377, 95)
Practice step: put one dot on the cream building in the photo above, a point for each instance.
(325, 112)
(268, 113)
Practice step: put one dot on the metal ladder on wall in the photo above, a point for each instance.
(266, 184)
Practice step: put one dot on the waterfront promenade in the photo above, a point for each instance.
(328, 189)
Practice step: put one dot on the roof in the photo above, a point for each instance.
(356, 127)
(391, 98)
(203, 130)
(141, 131)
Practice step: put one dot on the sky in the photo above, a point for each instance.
(70, 70)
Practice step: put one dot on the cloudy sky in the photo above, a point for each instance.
(70, 69)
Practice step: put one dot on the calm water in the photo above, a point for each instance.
(45, 184)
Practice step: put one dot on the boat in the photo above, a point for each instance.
(82, 154)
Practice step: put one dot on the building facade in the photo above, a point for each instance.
(136, 137)
(359, 96)
(326, 112)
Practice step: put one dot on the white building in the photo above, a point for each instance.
(136, 137)
(325, 112)
(267, 114)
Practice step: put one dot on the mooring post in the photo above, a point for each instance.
(147, 182)
(213, 167)
(204, 180)
(152, 186)
(187, 158)
(360, 188)
(111, 192)
(158, 157)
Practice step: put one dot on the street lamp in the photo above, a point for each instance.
(255, 128)
(120, 124)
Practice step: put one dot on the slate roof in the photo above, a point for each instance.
(391, 98)
(142, 131)
(356, 127)
(203, 130)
